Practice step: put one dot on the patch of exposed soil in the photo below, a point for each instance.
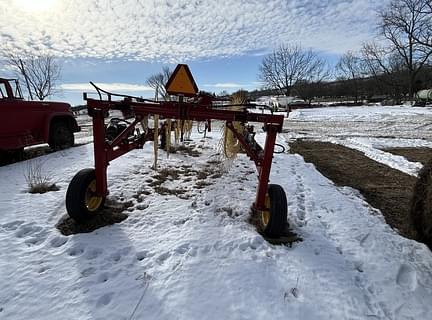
(43, 188)
(423, 155)
(189, 150)
(288, 237)
(384, 188)
(110, 214)
(202, 177)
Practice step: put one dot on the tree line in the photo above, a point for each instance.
(397, 63)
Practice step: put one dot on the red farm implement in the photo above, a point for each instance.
(88, 189)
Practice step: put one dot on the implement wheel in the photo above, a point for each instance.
(81, 200)
(201, 126)
(274, 219)
(421, 205)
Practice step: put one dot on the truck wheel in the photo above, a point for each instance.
(421, 205)
(274, 218)
(61, 136)
(81, 200)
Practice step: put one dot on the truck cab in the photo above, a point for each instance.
(25, 123)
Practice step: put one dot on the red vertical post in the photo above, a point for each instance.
(100, 152)
(180, 100)
(265, 166)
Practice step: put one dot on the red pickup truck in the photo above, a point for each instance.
(25, 123)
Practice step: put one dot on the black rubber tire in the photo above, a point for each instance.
(421, 205)
(278, 212)
(76, 195)
(110, 134)
(61, 136)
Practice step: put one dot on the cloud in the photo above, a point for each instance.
(184, 30)
(227, 85)
(6, 69)
(112, 87)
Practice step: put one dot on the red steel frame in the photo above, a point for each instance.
(105, 151)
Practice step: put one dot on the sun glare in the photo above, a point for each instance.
(35, 6)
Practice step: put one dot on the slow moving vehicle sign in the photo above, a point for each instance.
(181, 82)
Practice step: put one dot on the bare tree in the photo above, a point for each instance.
(285, 66)
(387, 68)
(40, 72)
(351, 68)
(406, 24)
(424, 34)
(158, 81)
(312, 84)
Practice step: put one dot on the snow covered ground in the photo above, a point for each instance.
(197, 257)
(367, 129)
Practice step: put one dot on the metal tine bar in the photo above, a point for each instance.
(111, 94)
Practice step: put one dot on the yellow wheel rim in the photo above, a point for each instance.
(92, 201)
(265, 214)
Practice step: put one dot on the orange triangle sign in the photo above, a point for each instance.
(181, 82)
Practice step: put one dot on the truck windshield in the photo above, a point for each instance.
(16, 90)
(3, 92)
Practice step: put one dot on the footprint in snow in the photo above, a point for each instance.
(115, 257)
(58, 241)
(43, 269)
(301, 212)
(74, 252)
(27, 230)
(407, 277)
(35, 241)
(12, 226)
(141, 255)
(359, 266)
(103, 277)
(88, 272)
(256, 242)
(93, 253)
(186, 249)
(161, 259)
(182, 249)
(367, 241)
(104, 300)
(33, 234)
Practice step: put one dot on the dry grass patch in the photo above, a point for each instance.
(38, 180)
(188, 150)
(166, 191)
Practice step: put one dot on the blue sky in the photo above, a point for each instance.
(120, 43)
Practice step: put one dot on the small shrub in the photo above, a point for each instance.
(37, 180)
